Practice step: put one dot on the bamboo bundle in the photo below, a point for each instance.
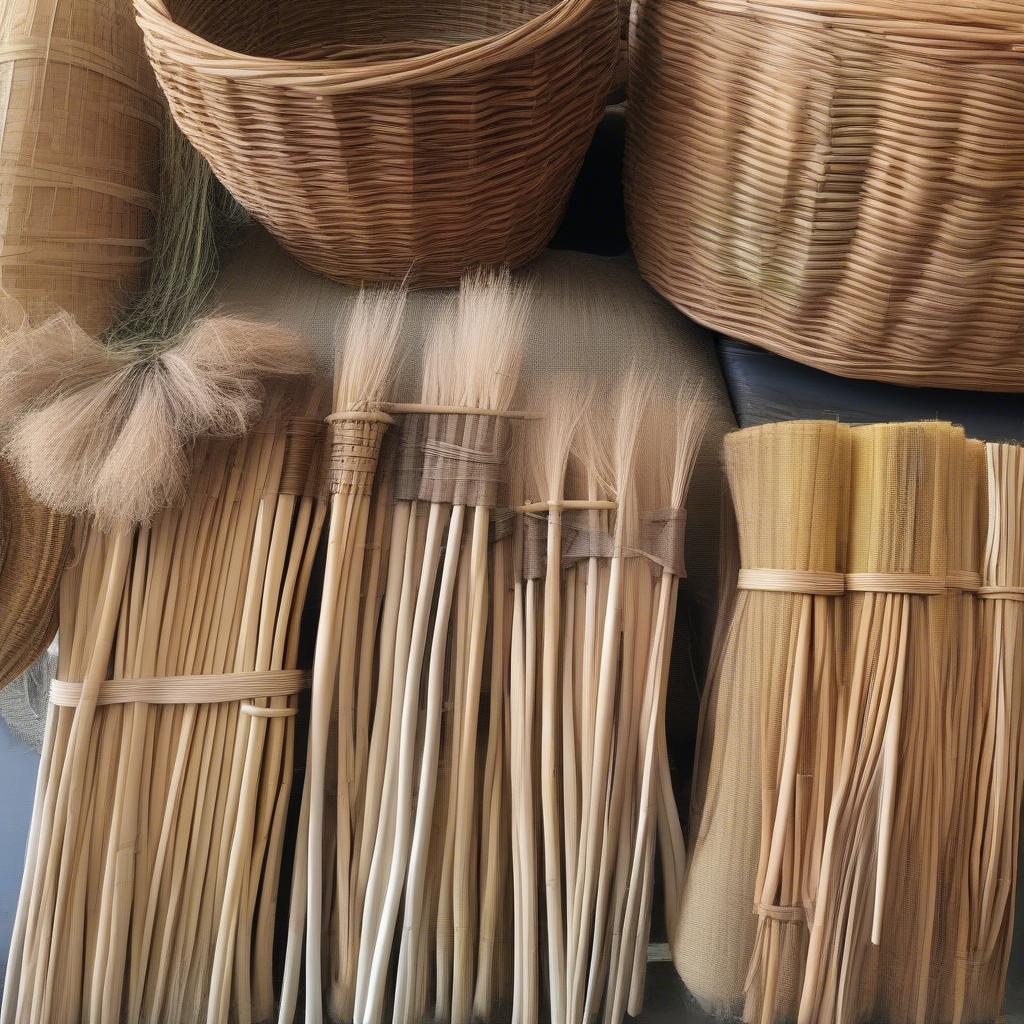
(151, 878)
(792, 559)
(761, 807)
(439, 601)
(960, 724)
(871, 942)
(989, 880)
(599, 815)
(364, 373)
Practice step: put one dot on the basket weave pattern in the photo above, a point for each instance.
(840, 188)
(375, 143)
(79, 156)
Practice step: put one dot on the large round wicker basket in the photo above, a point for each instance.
(380, 141)
(839, 181)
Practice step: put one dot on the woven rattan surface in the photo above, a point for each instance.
(79, 149)
(36, 545)
(839, 181)
(378, 141)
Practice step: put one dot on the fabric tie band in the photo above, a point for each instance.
(204, 689)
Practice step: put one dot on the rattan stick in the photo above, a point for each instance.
(414, 921)
(523, 670)
(444, 939)
(494, 832)
(642, 847)
(383, 836)
(550, 708)
(466, 821)
(339, 548)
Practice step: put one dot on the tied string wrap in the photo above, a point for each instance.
(303, 456)
(356, 439)
(662, 538)
(1002, 593)
(833, 584)
(202, 689)
(464, 459)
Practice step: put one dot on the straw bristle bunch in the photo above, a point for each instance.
(95, 431)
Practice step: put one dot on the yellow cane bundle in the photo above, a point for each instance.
(874, 921)
(761, 807)
(988, 882)
(150, 887)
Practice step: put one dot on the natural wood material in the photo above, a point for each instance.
(770, 686)
(79, 156)
(150, 885)
(421, 140)
(838, 182)
(871, 941)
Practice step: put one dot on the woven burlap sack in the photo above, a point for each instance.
(79, 156)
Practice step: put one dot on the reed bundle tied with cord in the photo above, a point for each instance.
(871, 940)
(887, 758)
(760, 801)
(594, 615)
(153, 862)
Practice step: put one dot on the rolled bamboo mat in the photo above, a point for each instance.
(787, 485)
(836, 182)
(79, 156)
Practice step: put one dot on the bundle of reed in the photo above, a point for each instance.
(870, 947)
(960, 723)
(792, 562)
(603, 627)
(421, 842)
(151, 877)
(996, 764)
(343, 658)
(762, 804)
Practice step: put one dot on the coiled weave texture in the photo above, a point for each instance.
(406, 143)
(835, 182)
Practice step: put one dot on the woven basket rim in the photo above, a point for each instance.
(331, 77)
(913, 20)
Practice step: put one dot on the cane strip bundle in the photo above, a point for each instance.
(975, 968)
(889, 775)
(151, 877)
(761, 804)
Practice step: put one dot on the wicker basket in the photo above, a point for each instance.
(383, 140)
(80, 119)
(35, 545)
(839, 181)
